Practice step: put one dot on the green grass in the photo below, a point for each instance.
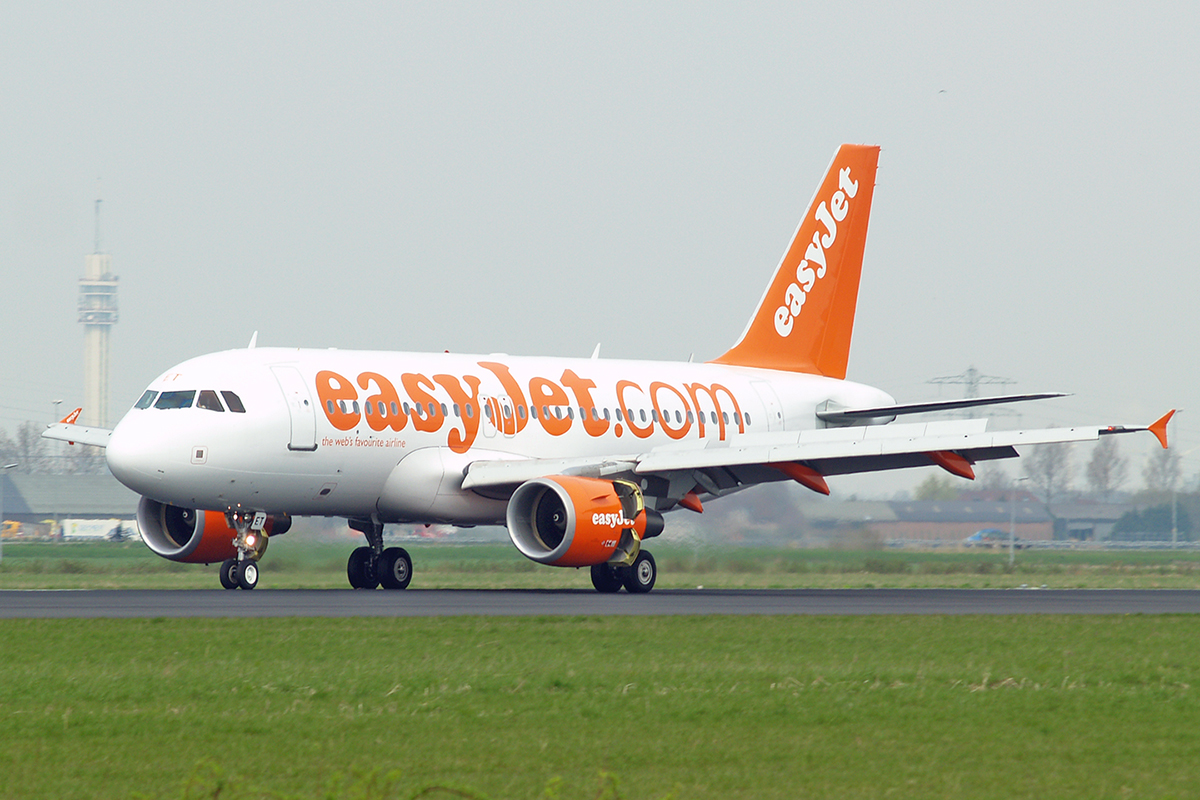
(301, 563)
(696, 707)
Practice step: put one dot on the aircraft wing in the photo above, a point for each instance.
(805, 456)
(82, 434)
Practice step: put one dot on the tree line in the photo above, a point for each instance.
(34, 455)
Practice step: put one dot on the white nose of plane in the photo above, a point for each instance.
(132, 459)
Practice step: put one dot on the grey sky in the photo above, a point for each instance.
(537, 178)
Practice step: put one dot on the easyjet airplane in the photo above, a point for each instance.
(579, 458)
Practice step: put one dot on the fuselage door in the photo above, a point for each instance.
(498, 415)
(300, 407)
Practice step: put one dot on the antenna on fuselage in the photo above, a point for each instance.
(253, 341)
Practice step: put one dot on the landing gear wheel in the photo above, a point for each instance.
(247, 575)
(606, 578)
(229, 573)
(641, 576)
(394, 569)
(360, 569)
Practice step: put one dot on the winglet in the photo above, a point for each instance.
(1159, 428)
(69, 419)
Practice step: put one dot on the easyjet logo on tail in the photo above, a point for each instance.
(812, 267)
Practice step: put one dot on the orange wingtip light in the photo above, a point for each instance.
(1159, 428)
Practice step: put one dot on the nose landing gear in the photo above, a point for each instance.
(251, 543)
(372, 566)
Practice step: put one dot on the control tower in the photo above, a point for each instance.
(97, 313)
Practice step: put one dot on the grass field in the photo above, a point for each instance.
(301, 563)
(781, 707)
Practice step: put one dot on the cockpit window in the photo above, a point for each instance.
(175, 399)
(209, 401)
(146, 400)
(234, 402)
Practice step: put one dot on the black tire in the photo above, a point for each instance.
(247, 574)
(394, 569)
(607, 579)
(642, 574)
(360, 569)
(229, 573)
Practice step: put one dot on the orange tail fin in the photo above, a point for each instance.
(804, 321)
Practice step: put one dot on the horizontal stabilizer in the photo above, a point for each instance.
(849, 415)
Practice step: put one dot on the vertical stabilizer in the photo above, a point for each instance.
(804, 320)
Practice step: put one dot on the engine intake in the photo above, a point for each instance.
(193, 536)
(569, 521)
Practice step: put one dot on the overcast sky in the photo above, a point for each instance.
(537, 178)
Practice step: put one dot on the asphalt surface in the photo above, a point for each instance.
(118, 604)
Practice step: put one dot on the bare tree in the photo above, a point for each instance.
(994, 478)
(1107, 469)
(1049, 469)
(1161, 472)
(30, 449)
(83, 459)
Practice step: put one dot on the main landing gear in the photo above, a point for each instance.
(251, 543)
(373, 566)
(637, 578)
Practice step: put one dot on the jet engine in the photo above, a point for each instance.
(569, 521)
(194, 536)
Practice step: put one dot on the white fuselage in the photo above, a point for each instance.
(339, 433)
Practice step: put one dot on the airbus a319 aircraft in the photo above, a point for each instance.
(579, 458)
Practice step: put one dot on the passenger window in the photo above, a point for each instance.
(209, 401)
(690, 420)
(382, 408)
(146, 400)
(521, 412)
(725, 417)
(606, 417)
(737, 417)
(470, 411)
(746, 416)
(714, 417)
(487, 411)
(642, 411)
(395, 409)
(456, 411)
(508, 412)
(370, 410)
(570, 412)
(444, 411)
(533, 412)
(175, 400)
(235, 403)
(678, 417)
(329, 407)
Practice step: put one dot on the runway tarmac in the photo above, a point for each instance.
(118, 604)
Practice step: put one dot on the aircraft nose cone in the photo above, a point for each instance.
(130, 459)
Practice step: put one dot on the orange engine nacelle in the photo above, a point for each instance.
(568, 521)
(196, 537)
